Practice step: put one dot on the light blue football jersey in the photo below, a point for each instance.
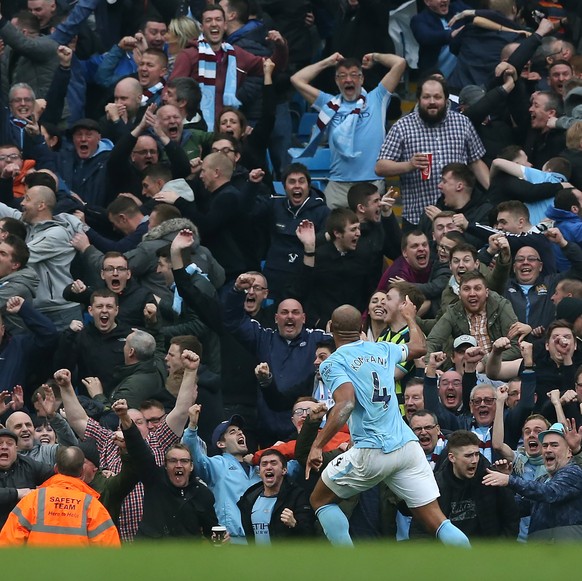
(376, 421)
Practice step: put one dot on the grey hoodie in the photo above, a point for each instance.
(51, 255)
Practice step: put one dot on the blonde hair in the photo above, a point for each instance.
(184, 29)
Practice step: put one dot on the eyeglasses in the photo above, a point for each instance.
(424, 429)
(155, 421)
(10, 157)
(145, 151)
(225, 150)
(485, 400)
(184, 461)
(258, 288)
(344, 76)
(520, 259)
(21, 100)
(118, 269)
(301, 411)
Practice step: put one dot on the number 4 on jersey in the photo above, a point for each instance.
(380, 394)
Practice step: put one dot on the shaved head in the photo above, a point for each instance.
(346, 321)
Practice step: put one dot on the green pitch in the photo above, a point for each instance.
(307, 561)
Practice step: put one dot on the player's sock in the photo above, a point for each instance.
(449, 534)
(335, 525)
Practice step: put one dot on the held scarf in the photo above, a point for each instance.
(207, 79)
(343, 134)
(149, 93)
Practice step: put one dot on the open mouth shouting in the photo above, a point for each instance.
(532, 446)
(173, 131)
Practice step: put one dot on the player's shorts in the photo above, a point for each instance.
(405, 471)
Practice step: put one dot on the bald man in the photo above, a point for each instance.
(124, 113)
(360, 376)
(48, 239)
(225, 227)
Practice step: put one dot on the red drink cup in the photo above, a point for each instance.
(425, 173)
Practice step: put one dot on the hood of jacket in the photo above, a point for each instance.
(172, 226)
(179, 186)
(25, 276)
(562, 215)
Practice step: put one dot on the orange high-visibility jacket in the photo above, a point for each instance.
(64, 511)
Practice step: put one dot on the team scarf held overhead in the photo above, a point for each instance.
(207, 78)
(342, 137)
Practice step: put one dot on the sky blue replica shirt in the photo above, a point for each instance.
(376, 421)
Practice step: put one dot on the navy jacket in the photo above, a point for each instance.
(291, 363)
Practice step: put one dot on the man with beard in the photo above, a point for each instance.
(421, 144)
(555, 503)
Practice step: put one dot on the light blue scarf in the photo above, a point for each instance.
(207, 79)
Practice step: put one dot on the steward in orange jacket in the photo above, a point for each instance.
(64, 511)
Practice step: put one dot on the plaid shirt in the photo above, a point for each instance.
(109, 457)
(452, 141)
(479, 330)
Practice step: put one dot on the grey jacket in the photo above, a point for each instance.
(51, 255)
(143, 261)
(26, 59)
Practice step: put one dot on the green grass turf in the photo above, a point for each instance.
(316, 560)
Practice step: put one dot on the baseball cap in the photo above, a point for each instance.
(464, 340)
(556, 428)
(9, 434)
(235, 420)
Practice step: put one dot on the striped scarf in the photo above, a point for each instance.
(342, 137)
(207, 78)
(149, 93)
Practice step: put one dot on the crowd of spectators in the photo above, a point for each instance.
(159, 294)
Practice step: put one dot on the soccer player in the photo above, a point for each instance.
(360, 376)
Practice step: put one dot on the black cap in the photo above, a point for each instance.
(9, 434)
(85, 124)
(89, 448)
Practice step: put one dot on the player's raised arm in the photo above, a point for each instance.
(417, 344)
